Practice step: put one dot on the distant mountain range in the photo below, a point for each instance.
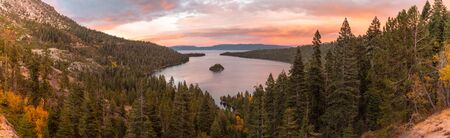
(231, 47)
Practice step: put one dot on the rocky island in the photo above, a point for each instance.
(216, 68)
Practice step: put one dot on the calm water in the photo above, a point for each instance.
(240, 74)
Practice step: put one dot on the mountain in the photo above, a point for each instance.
(231, 47)
(47, 58)
(34, 10)
(37, 23)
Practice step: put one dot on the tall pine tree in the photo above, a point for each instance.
(70, 114)
(180, 122)
(316, 86)
(257, 114)
(342, 102)
(269, 104)
(437, 24)
(370, 100)
(91, 118)
(139, 123)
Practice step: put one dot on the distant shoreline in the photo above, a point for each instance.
(195, 54)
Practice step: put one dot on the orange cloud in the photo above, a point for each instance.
(167, 5)
(160, 38)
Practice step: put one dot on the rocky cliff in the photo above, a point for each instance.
(6, 129)
(34, 10)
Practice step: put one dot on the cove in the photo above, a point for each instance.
(240, 74)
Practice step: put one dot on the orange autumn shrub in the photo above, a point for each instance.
(445, 71)
(38, 116)
(12, 101)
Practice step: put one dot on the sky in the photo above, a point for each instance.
(211, 22)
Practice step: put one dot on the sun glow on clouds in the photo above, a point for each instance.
(135, 30)
(209, 22)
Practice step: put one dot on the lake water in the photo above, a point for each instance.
(240, 74)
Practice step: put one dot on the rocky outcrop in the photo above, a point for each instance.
(34, 10)
(6, 129)
(55, 54)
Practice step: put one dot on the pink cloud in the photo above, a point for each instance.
(286, 22)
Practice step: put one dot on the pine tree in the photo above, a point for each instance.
(403, 39)
(139, 124)
(108, 127)
(147, 128)
(90, 121)
(257, 114)
(290, 128)
(364, 51)
(369, 103)
(437, 24)
(70, 114)
(180, 123)
(388, 70)
(297, 98)
(371, 38)
(154, 116)
(281, 90)
(205, 116)
(53, 118)
(25, 128)
(342, 102)
(426, 11)
(447, 29)
(316, 86)
(216, 128)
(329, 74)
(35, 93)
(269, 104)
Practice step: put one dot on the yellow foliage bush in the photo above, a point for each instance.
(37, 115)
(444, 73)
(12, 101)
(239, 125)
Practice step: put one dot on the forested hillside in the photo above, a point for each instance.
(284, 54)
(59, 79)
(382, 82)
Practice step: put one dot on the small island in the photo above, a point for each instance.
(216, 68)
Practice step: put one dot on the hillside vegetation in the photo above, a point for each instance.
(283, 55)
(382, 82)
(59, 79)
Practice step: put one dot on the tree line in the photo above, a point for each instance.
(380, 81)
(391, 76)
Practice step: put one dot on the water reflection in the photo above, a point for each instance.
(240, 74)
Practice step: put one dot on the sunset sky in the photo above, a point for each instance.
(210, 22)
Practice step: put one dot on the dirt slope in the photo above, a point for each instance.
(435, 126)
(6, 129)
